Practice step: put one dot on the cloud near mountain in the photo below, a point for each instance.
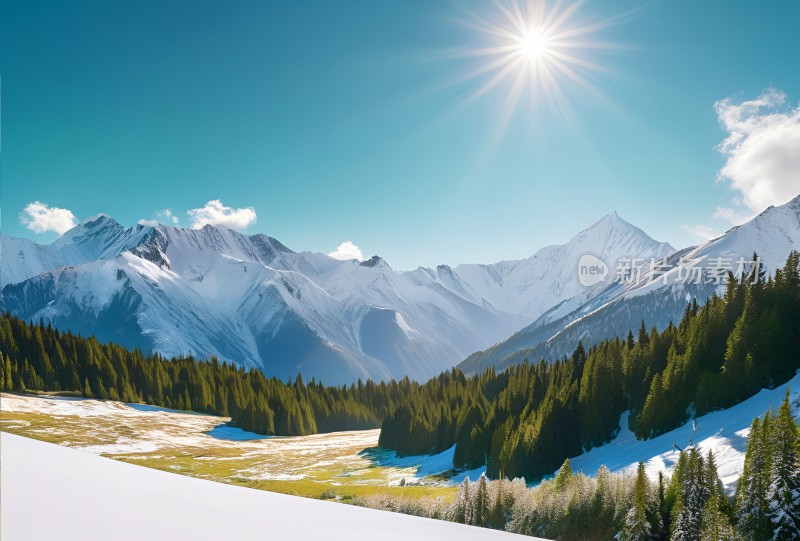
(40, 218)
(762, 151)
(215, 213)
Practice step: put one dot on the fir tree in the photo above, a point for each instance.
(715, 525)
(480, 503)
(461, 509)
(752, 522)
(783, 491)
(637, 526)
(686, 526)
(564, 476)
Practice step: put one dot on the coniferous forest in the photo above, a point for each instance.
(525, 421)
(41, 358)
(688, 506)
(521, 423)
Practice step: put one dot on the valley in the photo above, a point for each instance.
(340, 465)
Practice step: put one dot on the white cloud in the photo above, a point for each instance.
(41, 218)
(734, 216)
(215, 213)
(763, 152)
(167, 213)
(701, 231)
(347, 250)
(165, 216)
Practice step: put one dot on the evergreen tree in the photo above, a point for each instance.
(461, 509)
(686, 526)
(715, 525)
(662, 508)
(500, 505)
(711, 482)
(783, 491)
(564, 476)
(643, 339)
(752, 521)
(480, 503)
(637, 527)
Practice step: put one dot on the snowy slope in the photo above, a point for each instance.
(89, 497)
(723, 432)
(533, 285)
(250, 299)
(98, 237)
(658, 297)
(245, 298)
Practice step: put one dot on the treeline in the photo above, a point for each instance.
(525, 421)
(41, 358)
(522, 422)
(689, 506)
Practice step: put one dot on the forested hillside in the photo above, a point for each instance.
(528, 419)
(521, 422)
(41, 358)
(688, 506)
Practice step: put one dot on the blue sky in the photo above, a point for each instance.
(339, 121)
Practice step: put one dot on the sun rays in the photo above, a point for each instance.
(531, 48)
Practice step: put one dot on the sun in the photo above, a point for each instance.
(533, 47)
(533, 44)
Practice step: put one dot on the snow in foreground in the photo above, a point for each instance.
(52, 492)
(723, 432)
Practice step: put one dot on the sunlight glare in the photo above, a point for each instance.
(533, 47)
(533, 44)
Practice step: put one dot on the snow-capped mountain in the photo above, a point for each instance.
(252, 300)
(659, 294)
(532, 286)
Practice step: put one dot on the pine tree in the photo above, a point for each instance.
(497, 515)
(686, 526)
(662, 508)
(636, 526)
(783, 491)
(711, 482)
(643, 339)
(564, 475)
(3, 372)
(715, 525)
(9, 382)
(480, 503)
(752, 522)
(461, 509)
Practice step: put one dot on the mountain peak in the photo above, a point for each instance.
(374, 261)
(609, 222)
(611, 230)
(98, 218)
(94, 225)
(612, 219)
(793, 203)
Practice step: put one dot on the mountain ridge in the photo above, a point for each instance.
(251, 299)
(618, 308)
